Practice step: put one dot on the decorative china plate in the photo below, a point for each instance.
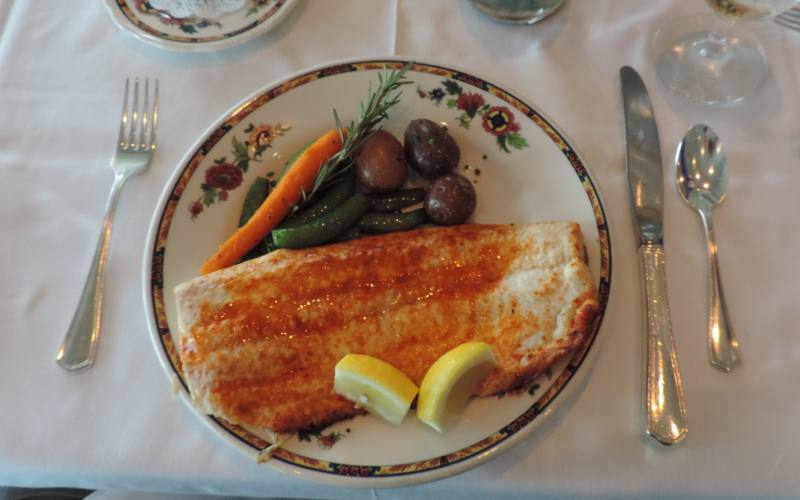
(198, 25)
(524, 170)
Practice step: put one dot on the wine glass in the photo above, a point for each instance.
(710, 59)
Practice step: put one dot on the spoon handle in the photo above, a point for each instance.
(723, 348)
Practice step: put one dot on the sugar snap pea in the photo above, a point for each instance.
(292, 159)
(255, 196)
(376, 222)
(323, 228)
(332, 198)
(392, 202)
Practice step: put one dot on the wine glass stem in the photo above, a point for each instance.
(717, 40)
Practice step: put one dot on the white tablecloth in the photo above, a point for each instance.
(62, 66)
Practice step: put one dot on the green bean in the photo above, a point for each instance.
(376, 222)
(332, 198)
(269, 245)
(348, 234)
(324, 228)
(392, 202)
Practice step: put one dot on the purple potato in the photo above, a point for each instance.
(450, 200)
(430, 149)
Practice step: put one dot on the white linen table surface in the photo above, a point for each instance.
(117, 426)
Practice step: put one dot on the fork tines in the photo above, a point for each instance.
(137, 131)
(790, 18)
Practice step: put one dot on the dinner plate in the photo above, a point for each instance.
(196, 33)
(523, 169)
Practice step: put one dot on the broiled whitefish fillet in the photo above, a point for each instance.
(259, 341)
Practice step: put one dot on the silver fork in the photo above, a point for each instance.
(135, 146)
(790, 18)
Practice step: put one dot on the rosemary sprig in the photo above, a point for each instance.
(371, 114)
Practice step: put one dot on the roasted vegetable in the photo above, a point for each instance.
(351, 233)
(324, 228)
(298, 180)
(255, 196)
(292, 159)
(392, 202)
(380, 164)
(376, 222)
(430, 149)
(332, 198)
(450, 199)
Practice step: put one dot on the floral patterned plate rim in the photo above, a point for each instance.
(197, 34)
(524, 169)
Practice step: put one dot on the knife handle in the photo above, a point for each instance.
(664, 400)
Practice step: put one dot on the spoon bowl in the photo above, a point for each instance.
(702, 168)
(702, 180)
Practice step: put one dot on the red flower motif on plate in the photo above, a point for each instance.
(224, 176)
(496, 120)
(469, 102)
(195, 208)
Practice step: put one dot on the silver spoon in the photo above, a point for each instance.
(702, 182)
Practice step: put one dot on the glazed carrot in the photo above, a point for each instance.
(300, 178)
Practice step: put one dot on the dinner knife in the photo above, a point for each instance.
(665, 406)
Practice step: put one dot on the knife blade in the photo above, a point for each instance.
(665, 406)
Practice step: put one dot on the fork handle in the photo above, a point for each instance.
(79, 348)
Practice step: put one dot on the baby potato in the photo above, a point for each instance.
(430, 149)
(380, 164)
(450, 200)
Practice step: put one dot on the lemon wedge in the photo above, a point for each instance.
(375, 385)
(451, 380)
